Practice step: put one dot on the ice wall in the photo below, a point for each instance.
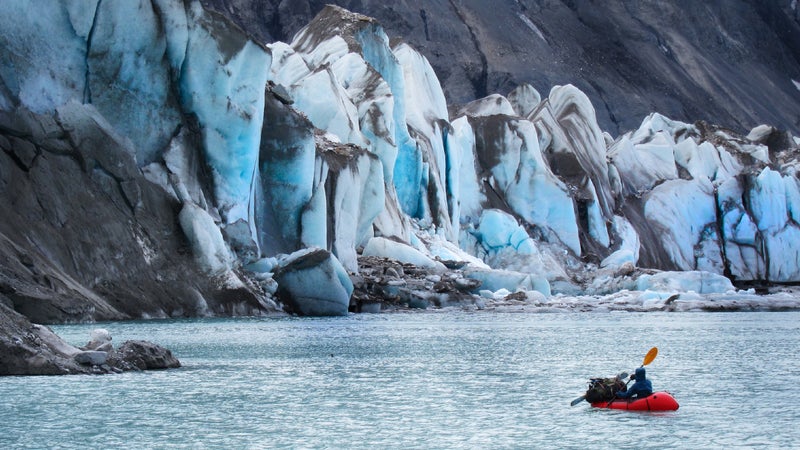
(718, 202)
(222, 83)
(338, 138)
(388, 100)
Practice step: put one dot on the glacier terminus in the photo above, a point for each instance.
(158, 161)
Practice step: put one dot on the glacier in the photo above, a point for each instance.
(256, 177)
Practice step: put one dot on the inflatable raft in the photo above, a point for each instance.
(657, 401)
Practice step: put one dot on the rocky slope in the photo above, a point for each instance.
(84, 235)
(734, 63)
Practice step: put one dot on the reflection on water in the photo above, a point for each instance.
(429, 380)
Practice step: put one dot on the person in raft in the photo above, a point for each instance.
(641, 388)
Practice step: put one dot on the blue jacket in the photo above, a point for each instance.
(641, 388)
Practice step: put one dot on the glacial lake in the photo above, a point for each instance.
(432, 380)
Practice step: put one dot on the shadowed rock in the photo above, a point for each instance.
(142, 355)
(31, 349)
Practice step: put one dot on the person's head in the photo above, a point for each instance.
(640, 374)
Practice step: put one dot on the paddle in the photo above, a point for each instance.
(621, 376)
(650, 356)
(577, 400)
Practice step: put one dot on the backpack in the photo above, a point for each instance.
(603, 389)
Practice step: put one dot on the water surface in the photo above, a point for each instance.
(425, 380)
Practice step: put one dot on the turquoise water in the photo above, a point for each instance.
(427, 380)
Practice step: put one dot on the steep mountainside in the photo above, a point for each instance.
(731, 62)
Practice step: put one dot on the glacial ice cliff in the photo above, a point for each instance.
(159, 162)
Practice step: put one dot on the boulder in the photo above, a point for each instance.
(28, 349)
(142, 355)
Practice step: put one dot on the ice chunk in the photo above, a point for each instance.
(508, 149)
(286, 174)
(682, 210)
(705, 160)
(495, 280)
(129, 72)
(312, 282)
(327, 105)
(33, 81)
(490, 105)
(760, 133)
(524, 99)
(628, 251)
(349, 195)
(768, 201)
(499, 229)
(425, 103)
(642, 165)
(697, 281)
(471, 195)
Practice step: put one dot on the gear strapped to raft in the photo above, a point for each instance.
(604, 389)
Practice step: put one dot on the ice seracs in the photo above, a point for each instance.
(717, 203)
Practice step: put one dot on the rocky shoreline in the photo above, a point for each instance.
(385, 285)
(32, 349)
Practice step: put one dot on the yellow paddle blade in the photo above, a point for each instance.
(651, 355)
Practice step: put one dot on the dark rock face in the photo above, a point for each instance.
(27, 349)
(69, 178)
(142, 355)
(730, 63)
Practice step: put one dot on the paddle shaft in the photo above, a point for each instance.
(577, 400)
